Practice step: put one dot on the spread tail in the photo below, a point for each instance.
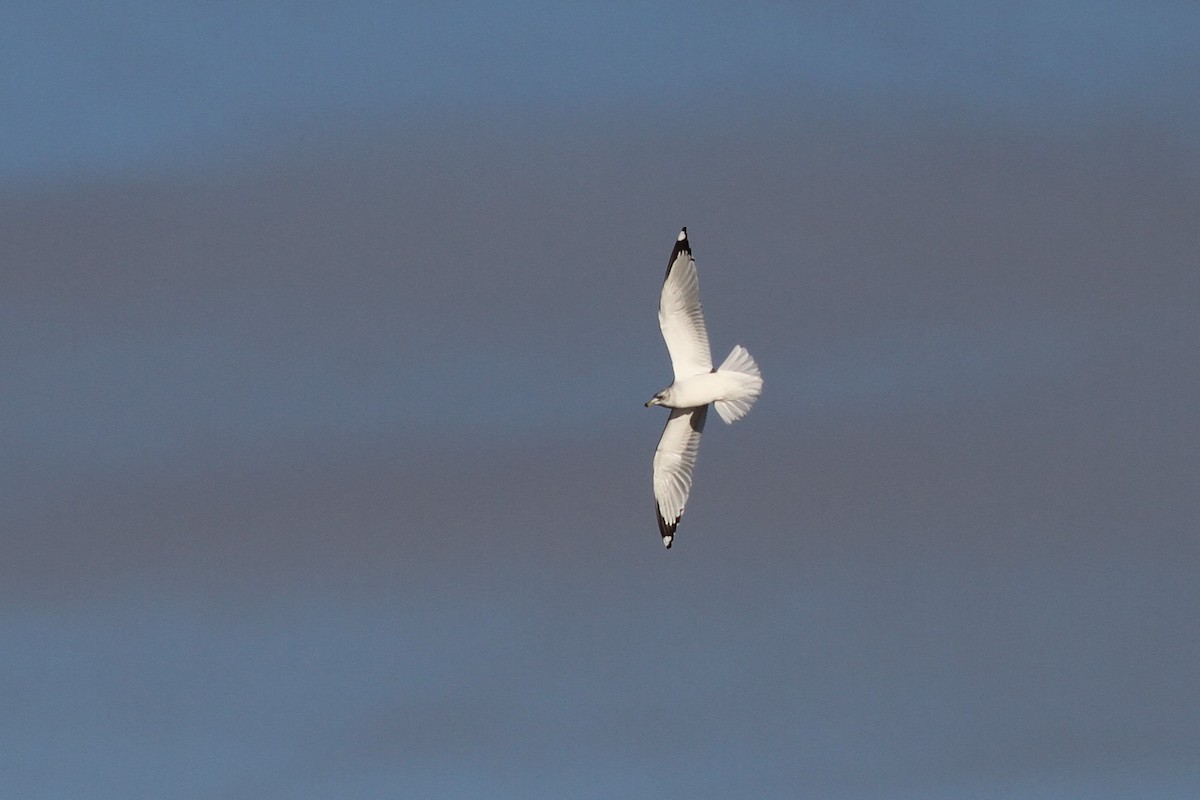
(745, 385)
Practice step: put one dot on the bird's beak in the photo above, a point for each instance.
(653, 401)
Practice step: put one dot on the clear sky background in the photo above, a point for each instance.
(325, 332)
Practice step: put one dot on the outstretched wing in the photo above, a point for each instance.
(680, 316)
(673, 463)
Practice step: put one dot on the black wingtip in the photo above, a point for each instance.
(681, 246)
(666, 529)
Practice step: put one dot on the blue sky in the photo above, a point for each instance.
(114, 86)
(325, 472)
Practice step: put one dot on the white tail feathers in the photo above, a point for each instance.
(745, 385)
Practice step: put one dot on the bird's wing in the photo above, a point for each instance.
(673, 463)
(680, 316)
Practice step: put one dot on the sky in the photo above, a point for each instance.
(325, 335)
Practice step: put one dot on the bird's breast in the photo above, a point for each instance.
(698, 390)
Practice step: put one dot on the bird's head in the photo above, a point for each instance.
(658, 399)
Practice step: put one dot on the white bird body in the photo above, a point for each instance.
(698, 390)
(718, 386)
(732, 388)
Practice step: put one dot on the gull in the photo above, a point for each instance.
(732, 388)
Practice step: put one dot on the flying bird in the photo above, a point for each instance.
(732, 388)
